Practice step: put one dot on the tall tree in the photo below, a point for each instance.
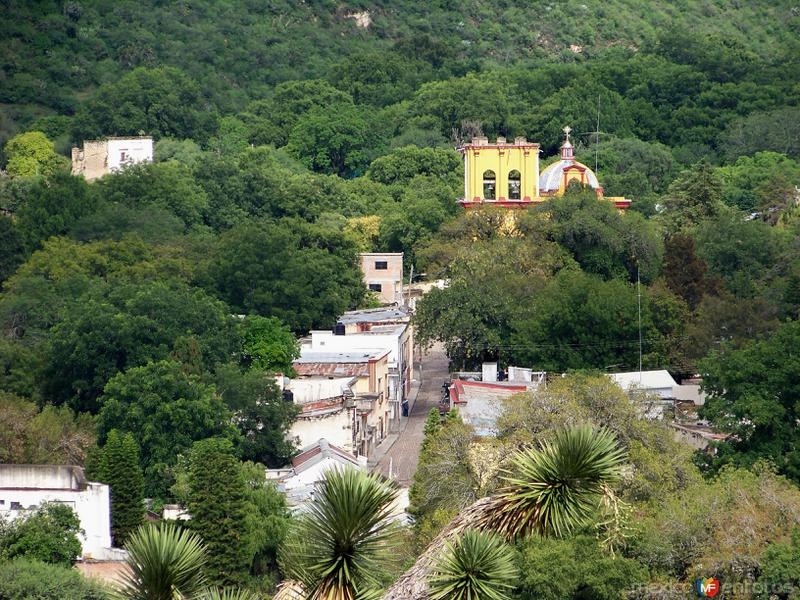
(31, 153)
(119, 467)
(752, 396)
(218, 503)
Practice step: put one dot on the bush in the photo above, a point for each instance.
(23, 579)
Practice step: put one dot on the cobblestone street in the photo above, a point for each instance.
(404, 453)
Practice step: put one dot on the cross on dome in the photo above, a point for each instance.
(566, 131)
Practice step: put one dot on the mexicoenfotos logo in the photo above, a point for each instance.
(707, 588)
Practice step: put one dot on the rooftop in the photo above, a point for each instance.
(319, 451)
(644, 379)
(363, 356)
(42, 477)
(374, 315)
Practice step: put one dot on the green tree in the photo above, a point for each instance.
(118, 466)
(579, 321)
(262, 415)
(339, 548)
(126, 325)
(31, 153)
(158, 102)
(403, 164)
(752, 397)
(306, 281)
(218, 504)
(574, 568)
(50, 535)
(168, 186)
(52, 206)
(693, 197)
(12, 249)
(22, 579)
(780, 564)
(166, 409)
(476, 565)
(268, 345)
(337, 139)
(684, 271)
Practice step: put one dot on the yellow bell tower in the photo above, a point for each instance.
(500, 174)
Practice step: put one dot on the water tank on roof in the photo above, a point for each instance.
(338, 328)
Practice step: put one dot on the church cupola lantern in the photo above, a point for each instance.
(567, 151)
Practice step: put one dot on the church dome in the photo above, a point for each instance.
(555, 178)
(552, 178)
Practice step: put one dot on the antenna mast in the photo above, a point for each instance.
(597, 134)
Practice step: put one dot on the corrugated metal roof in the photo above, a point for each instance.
(332, 369)
(374, 315)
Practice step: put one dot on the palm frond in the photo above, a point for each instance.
(338, 547)
(226, 594)
(476, 566)
(553, 489)
(165, 562)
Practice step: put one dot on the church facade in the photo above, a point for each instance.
(507, 174)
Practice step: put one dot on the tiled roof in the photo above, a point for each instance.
(320, 450)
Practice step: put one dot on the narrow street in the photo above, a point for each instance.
(404, 453)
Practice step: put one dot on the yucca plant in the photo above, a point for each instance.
(476, 566)
(551, 491)
(165, 562)
(227, 594)
(557, 487)
(338, 548)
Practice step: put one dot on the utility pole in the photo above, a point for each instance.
(639, 302)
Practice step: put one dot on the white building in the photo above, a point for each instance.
(327, 410)
(658, 383)
(101, 157)
(308, 468)
(24, 487)
(376, 329)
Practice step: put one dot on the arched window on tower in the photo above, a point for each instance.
(514, 185)
(489, 186)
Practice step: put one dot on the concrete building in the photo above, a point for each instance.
(327, 410)
(370, 368)
(101, 157)
(24, 487)
(376, 329)
(299, 479)
(383, 274)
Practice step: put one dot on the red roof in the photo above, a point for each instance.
(461, 390)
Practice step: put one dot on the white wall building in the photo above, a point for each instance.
(101, 157)
(308, 468)
(24, 487)
(327, 410)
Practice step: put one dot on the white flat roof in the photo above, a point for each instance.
(644, 379)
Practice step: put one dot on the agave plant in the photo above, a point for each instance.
(476, 566)
(550, 490)
(226, 594)
(165, 562)
(338, 548)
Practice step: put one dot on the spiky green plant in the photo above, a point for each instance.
(166, 563)
(477, 565)
(557, 487)
(227, 594)
(339, 547)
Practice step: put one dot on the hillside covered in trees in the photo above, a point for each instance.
(143, 314)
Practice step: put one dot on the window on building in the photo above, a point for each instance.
(123, 155)
(514, 185)
(375, 287)
(381, 265)
(16, 506)
(489, 185)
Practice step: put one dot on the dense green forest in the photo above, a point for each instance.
(144, 314)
